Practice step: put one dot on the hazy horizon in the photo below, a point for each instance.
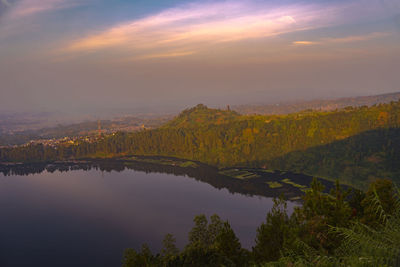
(94, 56)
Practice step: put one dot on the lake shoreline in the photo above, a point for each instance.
(242, 180)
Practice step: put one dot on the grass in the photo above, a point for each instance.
(239, 174)
(169, 162)
(188, 164)
(288, 181)
(274, 184)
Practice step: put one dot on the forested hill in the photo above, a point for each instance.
(365, 141)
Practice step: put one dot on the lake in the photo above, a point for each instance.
(86, 214)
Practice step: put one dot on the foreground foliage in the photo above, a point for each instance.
(335, 229)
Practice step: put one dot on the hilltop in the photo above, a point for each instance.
(201, 115)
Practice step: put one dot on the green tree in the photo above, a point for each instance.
(319, 213)
(198, 236)
(144, 258)
(227, 243)
(272, 235)
(169, 250)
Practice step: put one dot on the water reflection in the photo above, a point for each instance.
(86, 213)
(52, 216)
(203, 173)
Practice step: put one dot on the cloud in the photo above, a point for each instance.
(357, 38)
(197, 26)
(26, 16)
(26, 8)
(397, 21)
(6, 3)
(305, 43)
(168, 55)
(346, 39)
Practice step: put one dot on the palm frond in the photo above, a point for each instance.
(366, 246)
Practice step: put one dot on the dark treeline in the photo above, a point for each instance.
(335, 229)
(367, 136)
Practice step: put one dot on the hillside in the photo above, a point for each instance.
(337, 144)
(318, 104)
(356, 160)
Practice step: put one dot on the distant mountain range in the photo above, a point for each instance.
(318, 104)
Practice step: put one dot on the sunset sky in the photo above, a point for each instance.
(88, 55)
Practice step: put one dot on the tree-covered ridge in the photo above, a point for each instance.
(224, 138)
(255, 139)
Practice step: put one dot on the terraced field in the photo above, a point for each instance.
(273, 185)
(239, 174)
(288, 181)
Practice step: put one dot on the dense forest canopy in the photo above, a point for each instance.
(354, 145)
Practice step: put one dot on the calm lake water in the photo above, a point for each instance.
(87, 218)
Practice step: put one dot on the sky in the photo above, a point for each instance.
(144, 55)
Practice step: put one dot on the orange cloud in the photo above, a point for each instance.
(168, 55)
(305, 43)
(195, 27)
(346, 39)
